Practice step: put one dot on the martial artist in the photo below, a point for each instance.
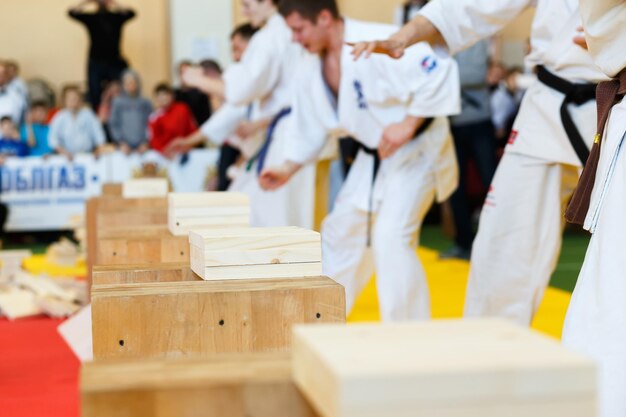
(520, 230)
(265, 75)
(396, 110)
(596, 320)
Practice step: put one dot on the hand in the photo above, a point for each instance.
(177, 146)
(193, 76)
(396, 135)
(391, 47)
(125, 149)
(143, 148)
(246, 129)
(275, 177)
(580, 39)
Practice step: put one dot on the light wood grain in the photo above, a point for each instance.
(188, 211)
(175, 319)
(247, 385)
(145, 187)
(143, 273)
(441, 368)
(142, 249)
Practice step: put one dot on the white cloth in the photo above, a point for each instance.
(266, 70)
(596, 318)
(78, 133)
(221, 126)
(519, 237)
(11, 104)
(265, 76)
(373, 94)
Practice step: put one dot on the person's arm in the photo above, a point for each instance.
(184, 145)
(78, 12)
(97, 133)
(457, 24)
(115, 122)
(195, 77)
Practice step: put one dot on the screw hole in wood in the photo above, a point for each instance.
(221, 322)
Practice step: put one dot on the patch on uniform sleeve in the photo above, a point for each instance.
(429, 64)
(513, 137)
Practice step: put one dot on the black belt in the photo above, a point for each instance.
(374, 153)
(578, 94)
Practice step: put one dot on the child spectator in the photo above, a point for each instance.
(35, 132)
(10, 144)
(170, 120)
(130, 114)
(75, 129)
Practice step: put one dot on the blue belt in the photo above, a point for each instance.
(262, 153)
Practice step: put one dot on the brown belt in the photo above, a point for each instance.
(608, 94)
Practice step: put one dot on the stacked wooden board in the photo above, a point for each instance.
(145, 187)
(193, 211)
(255, 253)
(482, 368)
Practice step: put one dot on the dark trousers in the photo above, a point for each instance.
(228, 156)
(475, 141)
(99, 74)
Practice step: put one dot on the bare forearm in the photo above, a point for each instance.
(212, 87)
(419, 29)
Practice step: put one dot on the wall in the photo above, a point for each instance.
(39, 35)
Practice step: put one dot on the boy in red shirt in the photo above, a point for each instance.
(170, 120)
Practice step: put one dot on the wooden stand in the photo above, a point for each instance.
(480, 368)
(175, 319)
(193, 211)
(257, 385)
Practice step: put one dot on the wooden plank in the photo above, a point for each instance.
(143, 273)
(142, 249)
(215, 199)
(322, 192)
(440, 368)
(248, 385)
(247, 253)
(160, 320)
(145, 187)
(205, 210)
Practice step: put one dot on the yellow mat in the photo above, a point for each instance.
(38, 264)
(447, 281)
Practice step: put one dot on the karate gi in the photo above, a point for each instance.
(373, 94)
(596, 320)
(265, 75)
(521, 225)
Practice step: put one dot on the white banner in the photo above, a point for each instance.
(45, 193)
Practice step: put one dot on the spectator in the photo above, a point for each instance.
(35, 132)
(196, 100)
(15, 81)
(505, 102)
(474, 140)
(495, 75)
(10, 144)
(130, 115)
(112, 90)
(105, 33)
(170, 120)
(11, 102)
(75, 129)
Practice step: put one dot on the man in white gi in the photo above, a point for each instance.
(596, 320)
(265, 75)
(396, 110)
(520, 231)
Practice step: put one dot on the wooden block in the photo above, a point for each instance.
(248, 385)
(441, 368)
(255, 253)
(145, 187)
(143, 273)
(161, 320)
(142, 249)
(189, 211)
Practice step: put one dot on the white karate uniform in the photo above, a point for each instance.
(265, 75)
(520, 230)
(373, 94)
(221, 126)
(596, 319)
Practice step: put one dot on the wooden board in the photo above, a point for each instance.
(246, 385)
(112, 189)
(159, 320)
(143, 273)
(142, 249)
(440, 368)
(145, 187)
(189, 211)
(246, 253)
